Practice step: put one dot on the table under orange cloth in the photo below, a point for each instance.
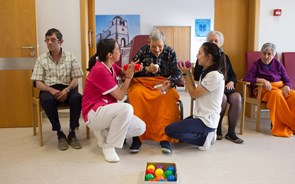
(155, 109)
(282, 109)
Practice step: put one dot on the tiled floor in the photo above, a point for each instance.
(262, 159)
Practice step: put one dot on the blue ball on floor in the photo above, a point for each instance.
(171, 178)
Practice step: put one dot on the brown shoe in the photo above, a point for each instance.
(74, 143)
(62, 144)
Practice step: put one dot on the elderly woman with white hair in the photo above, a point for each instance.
(276, 90)
(230, 96)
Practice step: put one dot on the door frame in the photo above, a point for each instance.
(88, 41)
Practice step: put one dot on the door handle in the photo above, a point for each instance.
(32, 48)
(29, 47)
(90, 38)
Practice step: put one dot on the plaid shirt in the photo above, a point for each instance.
(167, 62)
(63, 72)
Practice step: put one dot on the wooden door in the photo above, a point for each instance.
(231, 18)
(238, 21)
(18, 51)
(178, 37)
(182, 42)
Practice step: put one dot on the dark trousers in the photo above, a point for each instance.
(49, 104)
(189, 130)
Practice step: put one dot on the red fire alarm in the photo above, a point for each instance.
(277, 12)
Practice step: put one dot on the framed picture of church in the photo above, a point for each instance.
(122, 28)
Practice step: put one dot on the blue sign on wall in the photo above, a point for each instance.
(202, 27)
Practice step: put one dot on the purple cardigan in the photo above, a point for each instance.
(273, 72)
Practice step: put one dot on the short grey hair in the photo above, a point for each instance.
(219, 34)
(157, 35)
(269, 46)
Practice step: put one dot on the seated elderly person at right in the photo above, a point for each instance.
(276, 90)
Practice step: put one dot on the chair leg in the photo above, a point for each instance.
(87, 132)
(39, 120)
(242, 125)
(40, 133)
(258, 119)
(34, 118)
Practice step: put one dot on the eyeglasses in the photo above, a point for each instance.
(51, 40)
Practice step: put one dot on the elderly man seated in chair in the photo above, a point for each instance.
(152, 92)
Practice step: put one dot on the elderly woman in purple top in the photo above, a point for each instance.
(276, 90)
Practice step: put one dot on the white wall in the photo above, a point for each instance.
(63, 15)
(278, 30)
(162, 13)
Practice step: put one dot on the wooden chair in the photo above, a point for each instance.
(288, 59)
(37, 115)
(251, 57)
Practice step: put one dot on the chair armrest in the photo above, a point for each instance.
(246, 92)
(248, 83)
(243, 82)
(259, 84)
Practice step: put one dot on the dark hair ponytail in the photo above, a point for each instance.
(103, 47)
(92, 62)
(219, 59)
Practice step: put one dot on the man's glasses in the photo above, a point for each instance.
(50, 39)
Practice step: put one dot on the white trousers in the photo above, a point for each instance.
(117, 121)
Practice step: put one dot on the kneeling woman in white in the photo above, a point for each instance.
(110, 120)
(200, 129)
